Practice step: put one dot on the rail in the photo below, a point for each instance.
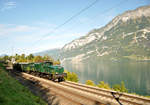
(81, 94)
(88, 95)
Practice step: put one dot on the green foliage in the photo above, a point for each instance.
(120, 88)
(48, 58)
(38, 59)
(56, 62)
(30, 58)
(4, 58)
(147, 96)
(90, 82)
(13, 93)
(125, 40)
(103, 85)
(117, 87)
(71, 76)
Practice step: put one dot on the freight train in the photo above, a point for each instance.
(42, 69)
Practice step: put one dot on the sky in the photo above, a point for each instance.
(30, 26)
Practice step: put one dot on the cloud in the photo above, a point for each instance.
(8, 5)
(25, 38)
(23, 28)
(8, 29)
(64, 36)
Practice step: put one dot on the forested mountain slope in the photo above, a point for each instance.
(126, 36)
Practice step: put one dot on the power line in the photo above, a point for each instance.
(75, 15)
(103, 12)
(69, 19)
(107, 10)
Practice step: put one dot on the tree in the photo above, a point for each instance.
(104, 85)
(22, 56)
(123, 88)
(38, 59)
(48, 58)
(30, 57)
(57, 62)
(6, 57)
(17, 57)
(90, 82)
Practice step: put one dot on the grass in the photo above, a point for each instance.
(13, 93)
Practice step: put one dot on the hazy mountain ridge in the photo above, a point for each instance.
(2, 55)
(54, 53)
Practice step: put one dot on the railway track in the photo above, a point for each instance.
(124, 98)
(77, 97)
(80, 94)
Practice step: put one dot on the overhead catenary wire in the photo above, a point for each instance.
(101, 13)
(69, 19)
(75, 15)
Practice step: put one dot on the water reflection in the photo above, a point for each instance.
(136, 75)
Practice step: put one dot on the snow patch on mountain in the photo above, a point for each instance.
(82, 41)
(146, 30)
(89, 52)
(102, 54)
(134, 14)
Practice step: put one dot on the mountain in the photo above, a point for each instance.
(2, 55)
(127, 36)
(54, 53)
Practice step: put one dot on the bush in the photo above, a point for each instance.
(147, 96)
(90, 82)
(103, 85)
(71, 76)
(120, 88)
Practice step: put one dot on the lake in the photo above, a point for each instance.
(136, 75)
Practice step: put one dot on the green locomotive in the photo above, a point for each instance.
(42, 69)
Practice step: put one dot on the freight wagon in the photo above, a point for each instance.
(42, 69)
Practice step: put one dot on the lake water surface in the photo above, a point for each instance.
(136, 75)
